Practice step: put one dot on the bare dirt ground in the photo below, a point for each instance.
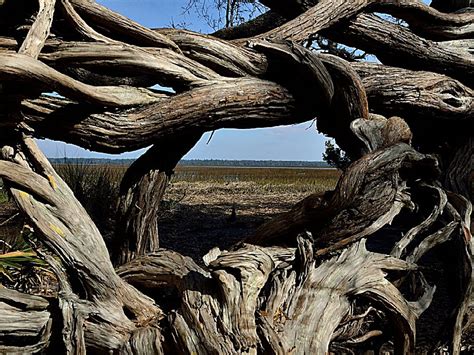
(197, 216)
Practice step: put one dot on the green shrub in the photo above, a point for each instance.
(335, 156)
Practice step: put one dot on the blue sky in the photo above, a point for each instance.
(296, 142)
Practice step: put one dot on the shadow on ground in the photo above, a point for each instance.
(194, 230)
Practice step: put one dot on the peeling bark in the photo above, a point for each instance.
(397, 46)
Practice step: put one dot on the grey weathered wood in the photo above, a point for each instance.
(66, 226)
(25, 322)
(460, 171)
(400, 246)
(39, 31)
(321, 302)
(141, 191)
(391, 90)
(79, 25)
(226, 58)
(297, 291)
(397, 46)
(314, 16)
(112, 22)
(40, 76)
(463, 314)
(326, 216)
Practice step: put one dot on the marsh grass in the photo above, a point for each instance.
(96, 187)
(101, 182)
(196, 206)
(265, 179)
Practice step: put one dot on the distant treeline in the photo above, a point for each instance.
(256, 163)
(91, 161)
(201, 162)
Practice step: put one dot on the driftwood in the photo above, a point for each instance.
(314, 280)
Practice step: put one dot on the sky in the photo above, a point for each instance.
(296, 142)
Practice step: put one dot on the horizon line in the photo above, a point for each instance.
(214, 159)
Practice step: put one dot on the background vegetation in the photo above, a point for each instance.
(198, 196)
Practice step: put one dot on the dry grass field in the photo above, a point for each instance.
(196, 209)
(194, 217)
(304, 178)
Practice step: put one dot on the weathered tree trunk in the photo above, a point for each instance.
(459, 172)
(141, 192)
(426, 99)
(91, 284)
(349, 268)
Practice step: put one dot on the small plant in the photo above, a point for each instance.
(13, 261)
(19, 263)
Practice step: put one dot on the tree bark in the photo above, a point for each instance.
(426, 98)
(397, 46)
(313, 16)
(450, 5)
(141, 192)
(25, 322)
(93, 287)
(459, 176)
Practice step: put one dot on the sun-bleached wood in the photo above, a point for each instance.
(316, 279)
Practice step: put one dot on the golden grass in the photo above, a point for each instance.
(271, 179)
(201, 184)
(264, 175)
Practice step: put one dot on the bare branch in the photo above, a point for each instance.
(39, 32)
